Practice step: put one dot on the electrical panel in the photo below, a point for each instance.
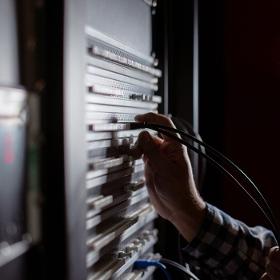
(120, 83)
(9, 54)
(85, 211)
(108, 75)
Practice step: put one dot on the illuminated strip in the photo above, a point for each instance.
(122, 93)
(98, 99)
(114, 43)
(98, 51)
(11, 252)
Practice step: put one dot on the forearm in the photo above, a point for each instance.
(188, 220)
(228, 248)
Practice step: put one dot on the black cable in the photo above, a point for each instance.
(230, 162)
(214, 162)
(219, 155)
(224, 170)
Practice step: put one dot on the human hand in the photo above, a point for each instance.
(273, 265)
(169, 178)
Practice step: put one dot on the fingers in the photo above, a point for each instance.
(148, 146)
(153, 195)
(144, 145)
(272, 272)
(156, 119)
(265, 277)
(273, 263)
(151, 148)
(274, 256)
(149, 176)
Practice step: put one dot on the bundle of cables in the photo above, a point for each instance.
(161, 264)
(224, 164)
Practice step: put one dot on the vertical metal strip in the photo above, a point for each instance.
(74, 50)
(166, 62)
(196, 83)
(196, 67)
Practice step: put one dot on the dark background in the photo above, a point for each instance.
(239, 102)
(239, 69)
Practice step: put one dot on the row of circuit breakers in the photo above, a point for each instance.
(120, 83)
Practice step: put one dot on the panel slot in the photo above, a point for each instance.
(118, 76)
(118, 198)
(104, 90)
(121, 69)
(127, 205)
(106, 100)
(126, 175)
(108, 171)
(132, 84)
(95, 50)
(109, 42)
(115, 109)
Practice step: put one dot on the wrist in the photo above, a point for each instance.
(188, 220)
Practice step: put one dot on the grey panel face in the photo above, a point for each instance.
(109, 76)
(74, 131)
(8, 47)
(127, 21)
(120, 83)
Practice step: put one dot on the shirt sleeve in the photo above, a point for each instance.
(226, 248)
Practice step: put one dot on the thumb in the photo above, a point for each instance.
(151, 148)
(148, 143)
(265, 277)
(145, 145)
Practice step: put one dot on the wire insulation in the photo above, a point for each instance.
(219, 166)
(168, 131)
(180, 267)
(144, 263)
(227, 160)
